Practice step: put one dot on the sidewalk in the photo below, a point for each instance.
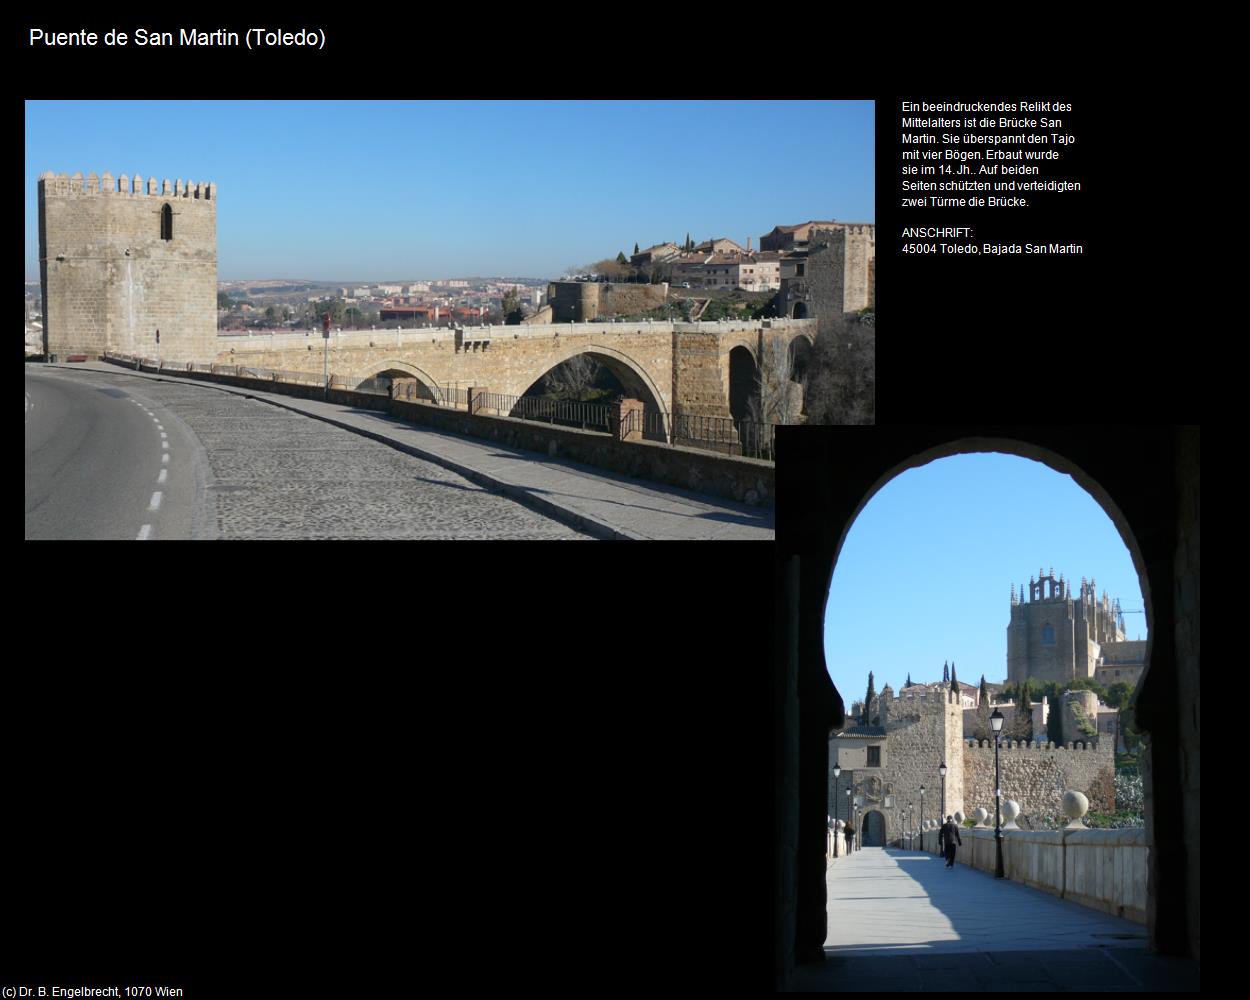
(593, 500)
(901, 921)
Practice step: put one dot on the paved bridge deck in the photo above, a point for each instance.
(900, 921)
(593, 500)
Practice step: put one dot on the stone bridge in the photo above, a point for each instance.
(703, 369)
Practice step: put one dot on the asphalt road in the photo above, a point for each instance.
(106, 462)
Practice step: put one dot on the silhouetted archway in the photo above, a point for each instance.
(742, 376)
(1148, 486)
(873, 829)
(800, 353)
(799, 311)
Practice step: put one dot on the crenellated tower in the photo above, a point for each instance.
(1055, 636)
(121, 259)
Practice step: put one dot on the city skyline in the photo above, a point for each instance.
(924, 573)
(388, 191)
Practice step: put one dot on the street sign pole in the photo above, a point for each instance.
(325, 353)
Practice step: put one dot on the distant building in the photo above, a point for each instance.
(655, 254)
(753, 272)
(1055, 636)
(793, 237)
(833, 273)
(416, 313)
(720, 246)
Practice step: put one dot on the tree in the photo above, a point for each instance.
(1054, 722)
(574, 379)
(224, 301)
(981, 730)
(946, 673)
(908, 684)
(689, 244)
(337, 308)
(868, 700)
(778, 399)
(842, 378)
(610, 269)
(512, 311)
(635, 248)
(1022, 725)
(1118, 694)
(622, 259)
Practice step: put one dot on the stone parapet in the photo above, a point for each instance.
(1101, 869)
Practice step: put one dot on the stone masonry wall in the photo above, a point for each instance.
(697, 384)
(1037, 777)
(578, 301)
(913, 752)
(626, 299)
(110, 280)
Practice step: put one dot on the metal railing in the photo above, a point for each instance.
(734, 437)
(567, 413)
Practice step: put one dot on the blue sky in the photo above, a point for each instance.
(925, 573)
(344, 190)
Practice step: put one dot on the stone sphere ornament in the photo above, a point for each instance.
(1075, 805)
(959, 818)
(1011, 809)
(980, 816)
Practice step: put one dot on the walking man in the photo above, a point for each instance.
(948, 839)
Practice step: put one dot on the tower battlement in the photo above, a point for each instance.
(1036, 747)
(64, 184)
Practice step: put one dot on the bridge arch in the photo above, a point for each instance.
(743, 369)
(632, 375)
(381, 368)
(800, 354)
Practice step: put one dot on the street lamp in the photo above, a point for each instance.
(942, 772)
(922, 817)
(836, 771)
(996, 723)
(848, 817)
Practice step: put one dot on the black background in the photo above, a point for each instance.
(238, 766)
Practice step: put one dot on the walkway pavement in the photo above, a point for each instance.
(901, 921)
(596, 501)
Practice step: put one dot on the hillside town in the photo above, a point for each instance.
(773, 279)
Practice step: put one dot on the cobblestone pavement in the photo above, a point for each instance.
(274, 474)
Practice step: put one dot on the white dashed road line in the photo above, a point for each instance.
(156, 501)
(144, 532)
(162, 477)
(165, 445)
(164, 460)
